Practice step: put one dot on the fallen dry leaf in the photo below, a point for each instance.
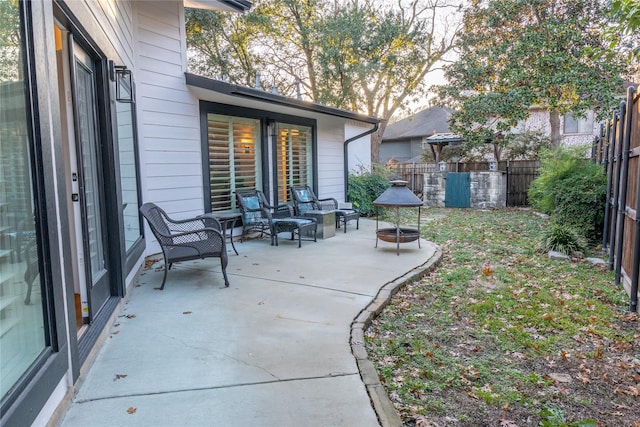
(560, 378)
(131, 410)
(631, 317)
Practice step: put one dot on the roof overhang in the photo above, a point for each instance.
(228, 5)
(239, 95)
(444, 138)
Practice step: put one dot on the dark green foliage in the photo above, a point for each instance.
(514, 54)
(572, 190)
(366, 187)
(562, 238)
(451, 151)
(527, 146)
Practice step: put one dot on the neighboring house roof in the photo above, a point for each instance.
(448, 137)
(425, 123)
(233, 90)
(230, 5)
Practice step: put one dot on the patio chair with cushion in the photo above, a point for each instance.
(305, 200)
(187, 239)
(259, 216)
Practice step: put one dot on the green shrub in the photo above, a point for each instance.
(572, 190)
(562, 238)
(527, 146)
(365, 187)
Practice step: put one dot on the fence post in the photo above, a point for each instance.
(607, 161)
(625, 131)
(614, 201)
(633, 297)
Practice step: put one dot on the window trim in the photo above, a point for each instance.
(267, 133)
(588, 119)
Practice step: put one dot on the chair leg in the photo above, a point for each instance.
(167, 267)
(224, 273)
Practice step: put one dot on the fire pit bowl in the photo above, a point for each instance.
(391, 235)
(398, 196)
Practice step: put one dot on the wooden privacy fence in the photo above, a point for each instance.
(520, 174)
(618, 150)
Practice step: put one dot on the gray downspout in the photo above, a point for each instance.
(345, 153)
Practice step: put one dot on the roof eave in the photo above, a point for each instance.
(228, 5)
(272, 98)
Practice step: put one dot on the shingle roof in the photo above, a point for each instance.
(424, 123)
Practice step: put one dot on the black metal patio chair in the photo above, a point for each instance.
(187, 239)
(305, 200)
(259, 216)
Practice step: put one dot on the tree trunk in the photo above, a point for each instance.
(554, 123)
(436, 149)
(376, 140)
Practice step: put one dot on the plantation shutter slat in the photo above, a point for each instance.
(233, 152)
(294, 158)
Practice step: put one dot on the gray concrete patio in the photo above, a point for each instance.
(273, 349)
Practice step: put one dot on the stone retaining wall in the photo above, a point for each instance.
(488, 189)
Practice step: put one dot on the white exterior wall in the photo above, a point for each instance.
(332, 133)
(359, 151)
(539, 121)
(168, 118)
(330, 158)
(110, 25)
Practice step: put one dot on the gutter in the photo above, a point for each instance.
(375, 127)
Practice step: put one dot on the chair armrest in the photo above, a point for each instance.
(190, 237)
(283, 211)
(328, 203)
(192, 224)
(209, 221)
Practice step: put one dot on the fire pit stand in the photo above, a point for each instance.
(398, 196)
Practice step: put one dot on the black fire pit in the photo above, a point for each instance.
(398, 196)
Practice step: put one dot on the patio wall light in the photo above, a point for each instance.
(124, 84)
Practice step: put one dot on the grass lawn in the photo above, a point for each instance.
(500, 335)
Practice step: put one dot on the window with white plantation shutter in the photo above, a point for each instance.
(234, 158)
(293, 157)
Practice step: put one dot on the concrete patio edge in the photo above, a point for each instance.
(382, 405)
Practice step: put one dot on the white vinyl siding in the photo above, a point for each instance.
(234, 158)
(294, 158)
(168, 117)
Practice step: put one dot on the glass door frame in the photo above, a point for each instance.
(37, 385)
(107, 132)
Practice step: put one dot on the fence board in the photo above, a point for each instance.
(620, 145)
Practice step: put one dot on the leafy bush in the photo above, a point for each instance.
(365, 187)
(562, 238)
(527, 146)
(451, 151)
(572, 190)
